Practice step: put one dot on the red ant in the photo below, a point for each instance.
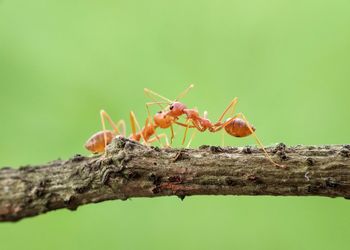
(98, 142)
(237, 125)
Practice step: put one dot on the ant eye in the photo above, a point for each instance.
(171, 107)
(159, 112)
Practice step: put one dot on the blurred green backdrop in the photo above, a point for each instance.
(287, 61)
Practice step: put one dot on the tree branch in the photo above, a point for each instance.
(132, 170)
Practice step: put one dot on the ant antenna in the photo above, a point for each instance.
(150, 93)
(184, 92)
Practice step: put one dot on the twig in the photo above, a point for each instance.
(129, 169)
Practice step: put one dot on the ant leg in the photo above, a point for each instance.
(104, 115)
(122, 127)
(240, 115)
(222, 133)
(109, 119)
(219, 125)
(191, 139)
(147, 124)
(205, 116)
(185, 134)
(151, 94)
(103, 128)
(259, 142)
(196, 125)
(134, 123)
(184, 125)
(150, 118)
(148, 111)
(231, 106)
(172, 134)
(157, 139)
(183, 93)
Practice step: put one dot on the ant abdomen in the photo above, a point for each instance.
(239, 128)
(96, 143)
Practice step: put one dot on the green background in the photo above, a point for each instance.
(287, 61)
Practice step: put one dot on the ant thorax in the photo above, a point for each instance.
(163, 120)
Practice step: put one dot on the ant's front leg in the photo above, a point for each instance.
(195, 124)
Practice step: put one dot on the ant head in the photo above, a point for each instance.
(176, 109)
(162, 120)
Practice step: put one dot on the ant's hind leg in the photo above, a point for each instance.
(259, 142)
(104, 115)
(230, 107)
(122, 127)
(157, 137)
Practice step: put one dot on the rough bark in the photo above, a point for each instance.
(129, 169)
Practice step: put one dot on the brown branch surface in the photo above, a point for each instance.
(132, 170)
